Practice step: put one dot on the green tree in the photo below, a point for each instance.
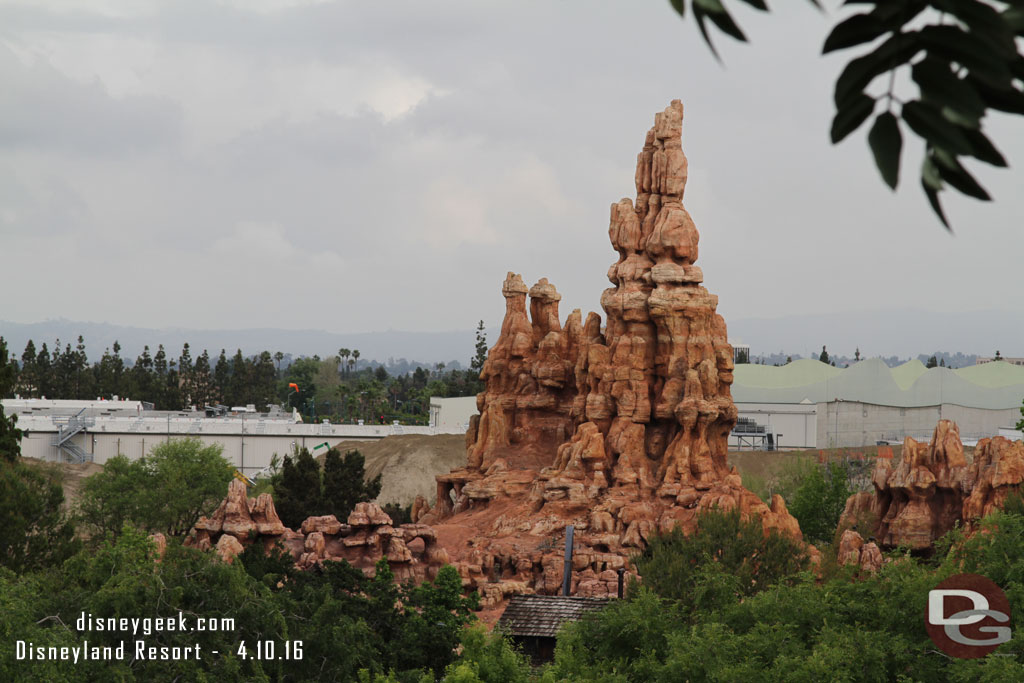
(36, 532)
(344, 483)
(819, 501)
(933, 362)
(727, 557)
(166, 491)
(824, 355)
(963, 57)
(10, 435)
(298, 493)
(477, 364)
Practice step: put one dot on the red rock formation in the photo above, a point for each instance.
(368, 535)
(933, 488)
(620, 431)
(853, 550)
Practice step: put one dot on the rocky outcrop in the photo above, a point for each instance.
(367, 536)
(933, 488)
(853, 550)
(619, 429)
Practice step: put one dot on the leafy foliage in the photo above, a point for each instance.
(344, 483)
(727, 557)
(301, 491)
(819, 500)
(35, 532)
(962, 55)
(166, 491)
(10, 436)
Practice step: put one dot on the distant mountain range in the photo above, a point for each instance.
(905, 334)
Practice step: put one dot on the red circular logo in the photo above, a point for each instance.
(967, 616)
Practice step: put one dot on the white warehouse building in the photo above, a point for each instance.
(95, 431)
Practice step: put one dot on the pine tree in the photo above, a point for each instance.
(298, 494)
(824, 356)
(10, 436)
(477, 363)
(221, 377)
(202, 382)
(28, 380)
(344, 483)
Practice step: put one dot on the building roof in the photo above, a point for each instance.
(994, 386)
(543, 615)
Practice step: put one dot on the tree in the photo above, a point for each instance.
(36, 532)
(742, 357)
(477, 364)
(355, 358)
(963, 58)
(10, 435)
(933, 362)
(824, 355)
(728, 556)
(819, 501)
(166, 491)
(343, 354)
(856, 354)
(344, 483)
(298, 494)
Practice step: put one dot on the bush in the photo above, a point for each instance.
(725, 558)
(166, 491)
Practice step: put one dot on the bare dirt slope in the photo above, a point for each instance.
(409, 463)
(70, 475)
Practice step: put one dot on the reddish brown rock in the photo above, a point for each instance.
(619, 429)
(933, 488)
(853, 550)
(160, 541)
(228, 547)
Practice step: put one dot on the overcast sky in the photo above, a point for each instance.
(362, 166)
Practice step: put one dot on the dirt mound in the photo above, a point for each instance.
(408, 463)
(70, 475)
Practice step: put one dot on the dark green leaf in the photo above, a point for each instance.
(953, 44)
(851, 115)
(927, 122)
(860, 28)
(1014, 18)
(1010, 100)
(983, 21)
(983, 149)
(757, 4)
(894, 52)
(887, 144)
(723, 21)
(941, 87)
(700, 16)
(679, 6)
(930, 172)
(933, 195)
(956, 175)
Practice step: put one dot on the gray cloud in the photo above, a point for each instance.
(357, 166)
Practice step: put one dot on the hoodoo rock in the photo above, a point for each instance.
(619, 429)
(933, 488)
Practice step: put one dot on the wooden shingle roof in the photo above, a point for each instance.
(543, 615)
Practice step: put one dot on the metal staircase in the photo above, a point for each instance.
(67, 429)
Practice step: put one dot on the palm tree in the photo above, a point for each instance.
(355, 358)
(344, 354)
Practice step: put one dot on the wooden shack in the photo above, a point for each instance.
(533, 621)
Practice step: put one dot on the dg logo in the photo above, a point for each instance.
(968, 616)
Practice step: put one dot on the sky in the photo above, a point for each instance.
(365, 166)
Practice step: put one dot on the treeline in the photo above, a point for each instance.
(334, 388)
